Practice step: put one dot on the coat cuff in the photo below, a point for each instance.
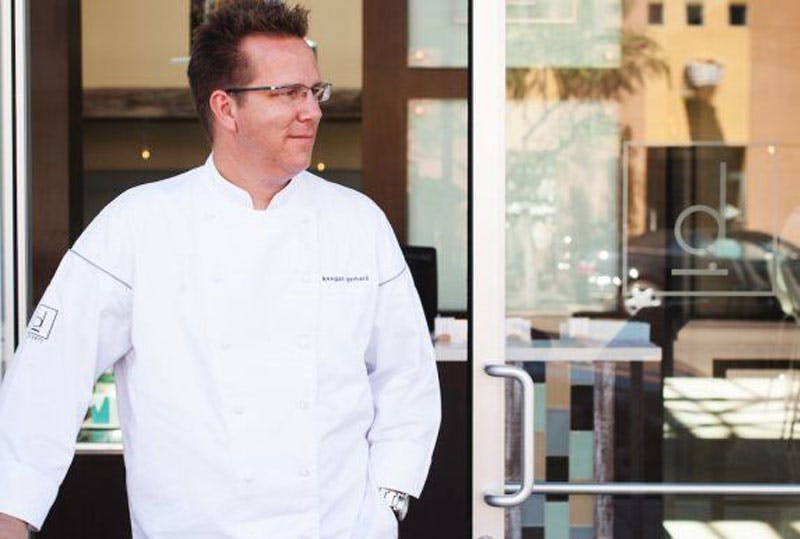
(25, 493)
(399, 466)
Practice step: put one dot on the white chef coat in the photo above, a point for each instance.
(273, 367)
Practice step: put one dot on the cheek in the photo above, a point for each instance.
(269, 129)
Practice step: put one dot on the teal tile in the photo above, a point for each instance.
(556, 520)
(581, 454)
(557, 433)
(539, 407)
(532, 511)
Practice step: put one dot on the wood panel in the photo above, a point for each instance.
(55, 139)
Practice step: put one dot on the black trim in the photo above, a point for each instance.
(389, 280)
(470, 229)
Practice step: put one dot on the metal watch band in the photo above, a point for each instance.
(398, 501)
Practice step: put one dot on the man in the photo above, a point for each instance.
(275, 376)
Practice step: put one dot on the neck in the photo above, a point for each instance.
(247, 175)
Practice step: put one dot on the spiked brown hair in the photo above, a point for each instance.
(217, 61)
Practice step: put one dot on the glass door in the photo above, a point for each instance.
(635, 269)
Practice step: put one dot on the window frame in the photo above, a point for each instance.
(650, 19)
(731, 7)
(696, 5)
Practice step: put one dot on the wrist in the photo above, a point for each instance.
(12, 527)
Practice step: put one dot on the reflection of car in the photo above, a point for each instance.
(719, 278)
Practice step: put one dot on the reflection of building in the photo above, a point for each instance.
(755, 45)
(678, 112)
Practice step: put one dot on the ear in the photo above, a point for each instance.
(224, 108)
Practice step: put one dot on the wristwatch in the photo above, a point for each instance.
(397, 500)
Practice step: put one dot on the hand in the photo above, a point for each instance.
(12, 528)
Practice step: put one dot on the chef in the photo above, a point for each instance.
(275, 375)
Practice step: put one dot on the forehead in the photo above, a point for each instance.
(278, 60)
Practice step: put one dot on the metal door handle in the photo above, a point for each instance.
(524, 490)
(519, 492)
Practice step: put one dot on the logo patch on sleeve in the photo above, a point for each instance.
(42, 322)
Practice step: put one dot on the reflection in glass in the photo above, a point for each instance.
(437, 191)
(657, 189)
(437, 33)
(561, 197)
(565, 33)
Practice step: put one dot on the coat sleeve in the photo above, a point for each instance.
(78, 330)
(402, 371)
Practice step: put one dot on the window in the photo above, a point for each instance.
(737, 14)
(694, 14)
(655, 13)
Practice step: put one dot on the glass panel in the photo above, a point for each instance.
(437, 33)
(566, 33)
(561, 154)
(737, 14)
(655, 13)
(708, 523)
(437, 191)
(694, 14)
(653, 261)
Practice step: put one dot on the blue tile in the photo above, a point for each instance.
(581, 374)
(539, 407)
(533, 511)
(581, 533)
(557, 433)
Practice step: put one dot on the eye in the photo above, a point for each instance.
(288, 93)
(295, 92)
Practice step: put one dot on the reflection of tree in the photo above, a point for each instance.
(567, 161)
(437, 191)
(641, 59)
(561, 207)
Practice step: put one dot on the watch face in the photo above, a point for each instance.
(401, 513)
(397, 501)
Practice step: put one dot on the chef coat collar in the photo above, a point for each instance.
(241, 197)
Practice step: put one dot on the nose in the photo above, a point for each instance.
(309, 109)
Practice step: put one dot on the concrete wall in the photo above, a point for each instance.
(666, 117)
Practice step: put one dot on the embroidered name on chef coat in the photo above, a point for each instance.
(344, 279)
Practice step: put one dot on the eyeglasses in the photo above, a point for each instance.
(293, 92)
